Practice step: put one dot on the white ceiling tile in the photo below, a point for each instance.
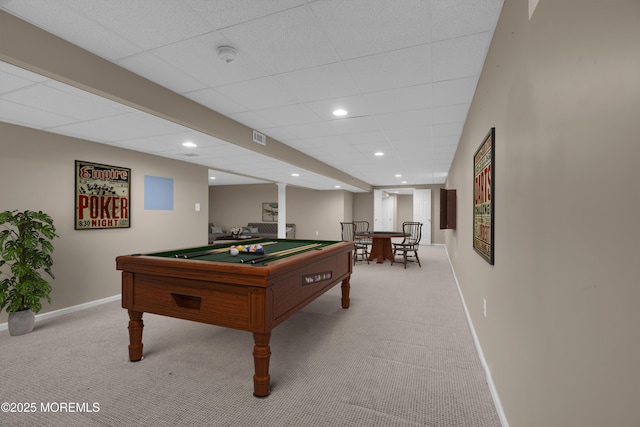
(451, 92)
(289, 115)
(11, 82)
(257, 94)
(155, 69)
(170, 20)
(447, 129)
(362, 27)
(118, 128)
(459, 57)
(335, 127)
(405, 119)
(387, 101)
(44, 97)
(450, 113)
(321, 82)
(295, 41)
(390, 70)
(451, 140)
(25, 115)
(278, 133)
(66, 23)
(463, 17)
(198, 57)
(9, 69)
(419, 133)
(401, 99)
(216, 101)
(225, 13)
(251, 119)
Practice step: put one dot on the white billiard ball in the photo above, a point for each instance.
(234, 251)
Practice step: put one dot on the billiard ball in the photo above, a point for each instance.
(234, 251)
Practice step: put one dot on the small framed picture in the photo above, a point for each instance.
(270, 212)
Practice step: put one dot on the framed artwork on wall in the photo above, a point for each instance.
(270, 212)
(102, 196)
(483, 197)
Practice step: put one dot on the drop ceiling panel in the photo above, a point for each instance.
(45, 97)
(450, 92)
(216, 101)
(167, 21)
(320, 82)
(452, 19)
(295, 41)
(450, 113)
(225, 13)
(257, 94)
(161, 72)
(198, 58)
(459, 57)
(358, 28)
(298, 60)
(405, 119)
(24, 115)
(69, 24)
(390, 70)
(289, 115)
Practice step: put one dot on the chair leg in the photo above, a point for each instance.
(417, 259)
(405, 259)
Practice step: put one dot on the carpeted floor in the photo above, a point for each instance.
(402, 355)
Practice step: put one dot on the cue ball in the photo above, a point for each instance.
(234, 251)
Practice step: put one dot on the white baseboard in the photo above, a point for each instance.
(483, 361)
(71, 309)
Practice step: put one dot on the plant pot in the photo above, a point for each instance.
(21, 322)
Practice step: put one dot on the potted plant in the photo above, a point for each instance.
(25, 246)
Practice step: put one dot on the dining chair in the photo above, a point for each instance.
(410, 244)
(349, 235)
(364, 242)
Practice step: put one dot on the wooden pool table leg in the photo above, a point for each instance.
(135, 335)
(261, 355)
(345, 292)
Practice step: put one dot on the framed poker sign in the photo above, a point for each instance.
(102, 196)
(483, 197)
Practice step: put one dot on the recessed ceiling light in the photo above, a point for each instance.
(189, 144)
(404, 182)
(398, 175)
(339, 112)
(212, 177)
(379, 153)
(295, 174)
(337, 186)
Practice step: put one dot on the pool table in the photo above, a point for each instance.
(251, 292)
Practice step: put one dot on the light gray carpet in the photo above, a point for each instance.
(402, 355)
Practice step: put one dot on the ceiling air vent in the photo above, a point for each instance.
(259, 138)
(189, 154)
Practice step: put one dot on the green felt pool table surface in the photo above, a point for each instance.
(271, 247)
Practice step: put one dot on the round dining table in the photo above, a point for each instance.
(381, 248)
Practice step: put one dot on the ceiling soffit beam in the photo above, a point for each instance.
(29, 47)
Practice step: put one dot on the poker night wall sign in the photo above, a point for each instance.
(102, 196)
